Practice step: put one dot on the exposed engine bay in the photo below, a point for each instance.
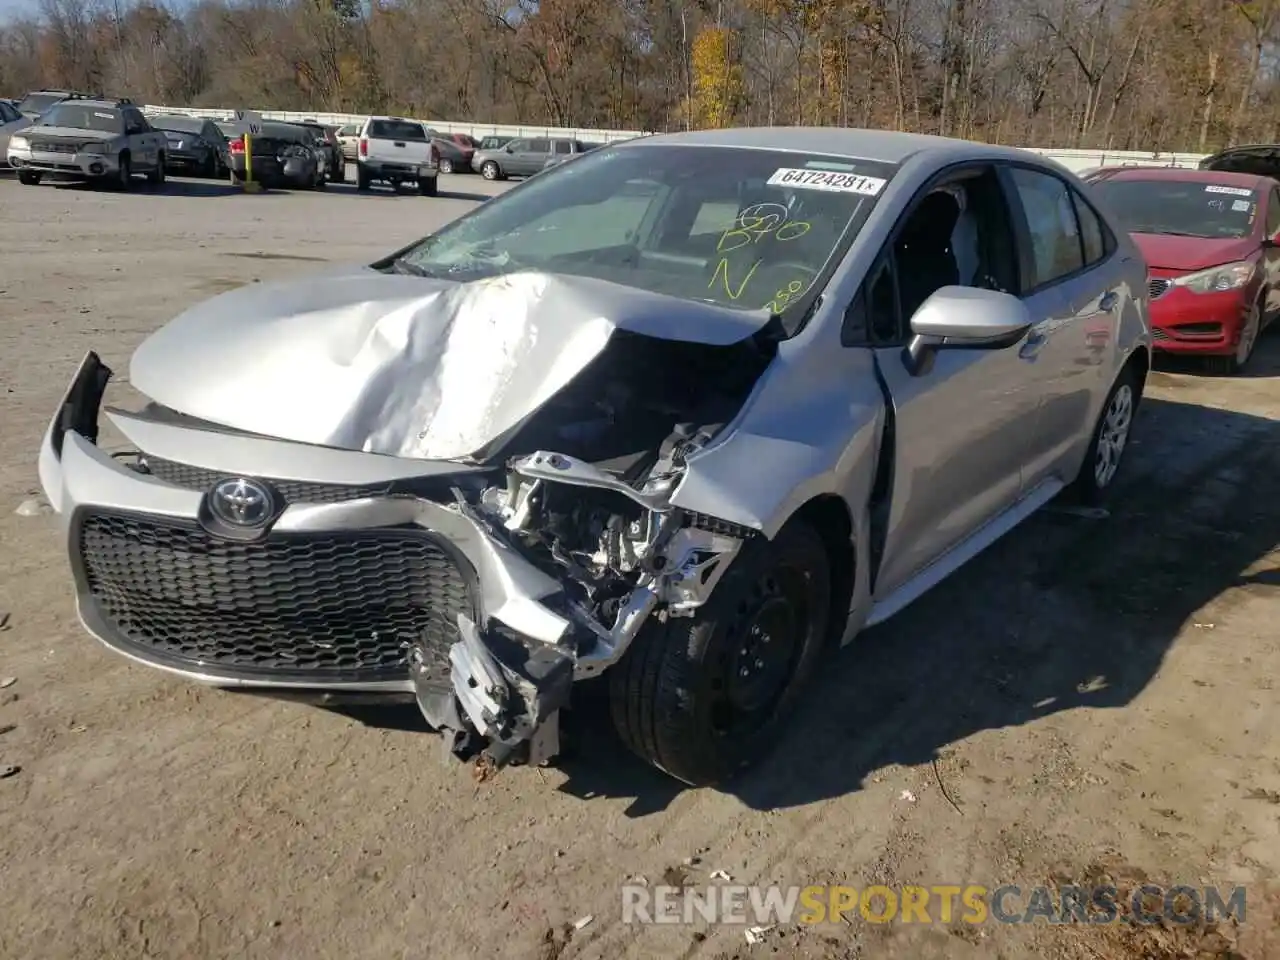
(585, 495)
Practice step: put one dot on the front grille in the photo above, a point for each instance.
(1157, 287)
(1158, 334)
(52, 146)
(331, 607)
(293, 491)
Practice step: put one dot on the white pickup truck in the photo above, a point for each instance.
(395, 151)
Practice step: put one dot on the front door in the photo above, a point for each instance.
(961, 431)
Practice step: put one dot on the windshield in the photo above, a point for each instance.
(749, 229)
(1180, 207)
(78, 116)
(37, 102)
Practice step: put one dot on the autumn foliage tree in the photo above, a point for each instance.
(1121, 74)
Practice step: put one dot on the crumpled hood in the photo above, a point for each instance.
(1192, 253)
(399, 365)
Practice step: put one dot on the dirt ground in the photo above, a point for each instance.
(1090, 695)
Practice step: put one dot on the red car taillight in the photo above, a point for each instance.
(236, 146)
(435, 154)
(364, 147)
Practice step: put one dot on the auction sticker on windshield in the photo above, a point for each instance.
(826, 180)
(1233, 191)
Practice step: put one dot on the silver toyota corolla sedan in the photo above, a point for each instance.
(685, 411)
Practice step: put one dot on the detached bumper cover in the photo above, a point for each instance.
(350, 588)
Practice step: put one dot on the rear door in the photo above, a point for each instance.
(1075, 281)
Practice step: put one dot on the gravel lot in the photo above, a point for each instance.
(1091, 692)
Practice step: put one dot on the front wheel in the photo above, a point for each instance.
(1110, 438)
(429, 186)
(703, 697)
(1229, 366)
(490, 171)
(28, 178)
(157, 176)
(446, 166)
(124, 175)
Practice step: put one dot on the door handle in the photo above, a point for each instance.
(397, 143)
(1035, 340)
(1108, 301)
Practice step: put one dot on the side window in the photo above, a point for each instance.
(1051, 220)
(1273, 212)
(564, 146)
(517, 146)
(538, 146)
(884, 322)
(1092, 233)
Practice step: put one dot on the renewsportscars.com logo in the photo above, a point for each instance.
(730, 903)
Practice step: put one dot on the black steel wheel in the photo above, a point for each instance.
(704, 697)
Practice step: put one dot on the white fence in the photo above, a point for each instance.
(1076, 160)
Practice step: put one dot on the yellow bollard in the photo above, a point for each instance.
(250, 185)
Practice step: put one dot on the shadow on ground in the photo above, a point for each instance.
(1065, 612)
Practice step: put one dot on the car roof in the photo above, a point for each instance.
(886, 146)
(1183, 175)
(96, 104)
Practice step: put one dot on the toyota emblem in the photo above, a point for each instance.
(241, 502)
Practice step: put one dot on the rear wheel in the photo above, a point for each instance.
(362, 178)
(703, 697)
(28, 178)
(446, 165)
(1110, 438)
(428, 187)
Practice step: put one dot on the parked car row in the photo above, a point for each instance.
(1211, 240)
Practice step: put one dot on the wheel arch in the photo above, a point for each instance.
(831, 519)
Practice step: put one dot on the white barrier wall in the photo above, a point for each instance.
(1075, 160)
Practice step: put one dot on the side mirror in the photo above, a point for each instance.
(964, 318)
(509, 148)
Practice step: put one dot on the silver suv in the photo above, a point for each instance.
(89, 139)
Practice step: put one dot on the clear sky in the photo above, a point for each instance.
(13, 8)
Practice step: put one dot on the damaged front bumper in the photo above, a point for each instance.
(355, 582)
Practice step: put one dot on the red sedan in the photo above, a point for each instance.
(1211, 240)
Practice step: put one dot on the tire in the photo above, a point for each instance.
(1108, 443)
(157, 176)
(491, 171)
(28, 178)
(1229, 366)
(362, 179)
(320, 182)
(124, 176)
(672, 694)
(429, 186)
(446, 166)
